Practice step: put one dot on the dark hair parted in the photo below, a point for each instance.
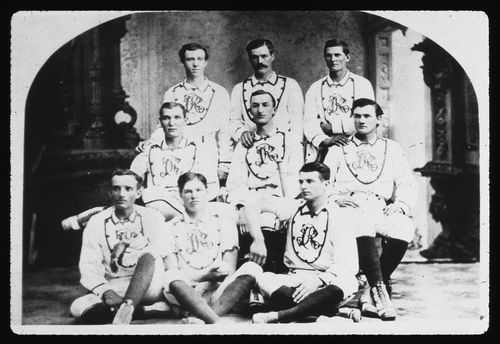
(127, 172)
(336, 43)
(189, 176)
(365, 102)
(260, 92)
(190, 47)
(172, 105)
(257, 43)
(322, 169)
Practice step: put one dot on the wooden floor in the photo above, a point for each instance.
(429, 297)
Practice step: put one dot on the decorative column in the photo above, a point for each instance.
(455, 203)
(120, 116)
(96, 135)
(383, 63)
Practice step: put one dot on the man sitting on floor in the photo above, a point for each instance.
(112, 242)
(199, 251)
(320, 253)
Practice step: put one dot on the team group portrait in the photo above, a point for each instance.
(235, 168)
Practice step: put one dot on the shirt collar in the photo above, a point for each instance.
(183, 143)
(258, 137)
(342, 81)
(358, 142)
(189, 220)
(116, 220)
(272, 79)
(203, 86)
(306, 211)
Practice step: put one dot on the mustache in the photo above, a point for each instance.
(261, 65)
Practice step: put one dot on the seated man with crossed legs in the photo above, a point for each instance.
(320, 253)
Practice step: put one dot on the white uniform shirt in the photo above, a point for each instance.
(322, 242)
(331, 101)
(289, 101)
(379, 168)
(199, 244)
(162, 165)
(207, 118)
(103, 231)
(256, 168)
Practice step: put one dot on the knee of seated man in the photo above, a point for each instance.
(90, 309)
(249, 268)
(397, 226)
(171, 276)
(268, 282)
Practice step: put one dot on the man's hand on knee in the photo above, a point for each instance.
(306, 287)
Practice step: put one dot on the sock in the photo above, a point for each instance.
(234, 292)
(96, 315)
(393, 251)
(193, 302)
(321, 302)
(141, 279)
(282, 297)
(369, 260)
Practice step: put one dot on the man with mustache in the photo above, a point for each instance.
(286, 91)
(328, 102)
(207, 109)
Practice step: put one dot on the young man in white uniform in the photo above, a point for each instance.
(207, 109)
(372, 175)
(112, 243)
(162, 162)
(286, 91)
(201, 274)
(267, 171)
(320, 252)
(328, 102)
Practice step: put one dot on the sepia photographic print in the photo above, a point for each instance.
(249, 172)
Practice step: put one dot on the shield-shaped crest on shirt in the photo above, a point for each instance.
(263, 156)
(277, 89)
(197, 103)
(199, 247)
(309, 235)
(167, 165)
(366, 162)
(126, 241)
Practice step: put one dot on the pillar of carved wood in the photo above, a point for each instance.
(96, 135)
(455, 203)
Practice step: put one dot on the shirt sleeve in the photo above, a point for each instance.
(236, 119)
(345, 252)
(140, 163)
(163, 240)
(237, 180)
(293, 163)
(295, 107)
(333, 160)
(406, 191)
(229, 231)
(365, 89)
(224, 141)
(312, 118)
(91, 265)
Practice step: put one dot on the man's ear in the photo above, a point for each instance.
(348, 57)
(139, 192)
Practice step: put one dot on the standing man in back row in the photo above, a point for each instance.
(328, 102)
(207, 109)
(286, 91)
